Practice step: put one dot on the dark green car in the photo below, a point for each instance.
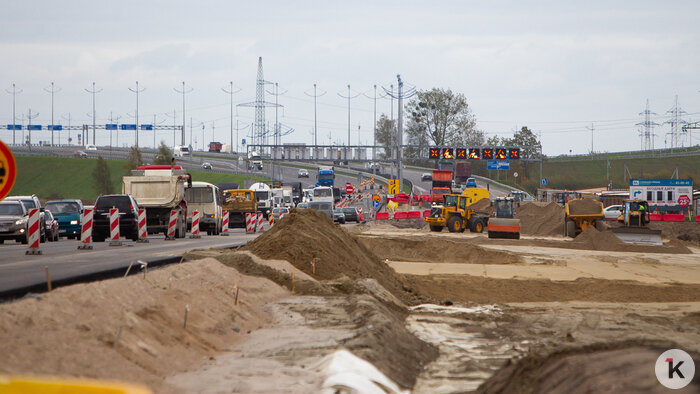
(67, 212)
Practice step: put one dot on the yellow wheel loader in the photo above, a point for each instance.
(455, 213)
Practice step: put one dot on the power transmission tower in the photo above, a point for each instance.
(315, 96)
(648, 125)
(53, 126)
(29, 126)
(259, 104)
(349, 97)
(231, 92)
(14, 93)
(184, 91)
(676, 125)
(400, 96)
(93, 91)
(137, 91)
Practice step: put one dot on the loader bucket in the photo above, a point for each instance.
(638, 235)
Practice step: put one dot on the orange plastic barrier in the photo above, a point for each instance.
(382, 215)
(413, 215)
(400, 215)
(678, 217)
(656, 217)
(426, 213)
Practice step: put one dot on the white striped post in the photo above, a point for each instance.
(171, 225)
(86, 229)
(224, 224)
(143, 234)
(261, 223)
(114, 227)
(195, 225)
(250, 221)
(33, 232)
(271, 219)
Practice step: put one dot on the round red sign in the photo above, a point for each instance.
(349, 189)
(684, 200)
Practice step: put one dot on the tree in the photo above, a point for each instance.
(101, 177)
(527, 141)
(386, 131)
(493, 141)
(164, 154)
(442, 118)
(134, 159)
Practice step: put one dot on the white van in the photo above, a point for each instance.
(205, 198)
(324, 193)
(182, 151)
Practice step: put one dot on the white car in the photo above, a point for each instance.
(612, 212)
(91, 147)
(303, 173)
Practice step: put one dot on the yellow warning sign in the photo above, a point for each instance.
(8, 170)
(394, 186)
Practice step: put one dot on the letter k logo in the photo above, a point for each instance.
(672, 369)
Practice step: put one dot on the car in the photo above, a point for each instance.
(612, 212)
(338, 216)
(426, 177)
(13, 221)
(128, 215)
(206, 166)
(519, 196)
(91, 147)
(351, 214)
(323, 206)
(67, 213)
(303, 173)
(80, 153)
(471, 182)
(278, 211)
(31, 202)
(51, 227)
(302, 205)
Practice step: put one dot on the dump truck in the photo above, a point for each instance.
(504, 224)
(635, 218)
(580, 214)
(564, 196)
(238, 202)
(455, 213)
(160, 189)
(463, 171)
(442, 184)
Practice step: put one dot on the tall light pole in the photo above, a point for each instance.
(68, 119)
(137, 91)
(349, 96)
(315, 96)
(184, 91)
(29, 126)
(14, 121)
(374, 140)
(53, 126)
(93, 91)
(231, 92)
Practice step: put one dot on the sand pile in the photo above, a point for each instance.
(593, 239)
(307, 234)
(685, 231)
(436, 250)
(483, 205)
(584, 207)
(539, 220)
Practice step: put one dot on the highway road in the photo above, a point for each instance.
(20, 271)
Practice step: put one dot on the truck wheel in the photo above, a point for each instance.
(455, 224)
(477, 226)
(437, 229)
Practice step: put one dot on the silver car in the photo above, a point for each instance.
(13, 221)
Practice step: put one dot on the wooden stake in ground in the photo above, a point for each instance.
(48, 277)
(187, 309)
(116, 340)
(292, 280)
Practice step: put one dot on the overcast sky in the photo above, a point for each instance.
(554, 67)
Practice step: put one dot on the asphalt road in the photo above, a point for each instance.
(64, 260)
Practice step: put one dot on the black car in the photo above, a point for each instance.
(128, 216)
(426, 177)
(351, 214)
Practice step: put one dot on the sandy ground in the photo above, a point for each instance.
(448, 313)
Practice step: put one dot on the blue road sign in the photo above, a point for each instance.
(56, 127)
(34, 127)
(128, 127)
(498, 164)
(111, 126)
(375, 204)
(543, 181)
(243, 141)
(14, 127)
(146, 127)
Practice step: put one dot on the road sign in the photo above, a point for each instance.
(243, 141)
(393, 186)
(146, 127)
(8, 170)
(498, 165)
(515, 174)
(375, 204)
(543, 181)
(349, 189)
(14, 127)
(55, 127)
(128, 127)
(684, 200)
(34, 127)
(111, 126)
(376, 198)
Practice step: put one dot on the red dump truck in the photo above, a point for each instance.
(463, 171)
(442, 184)
(215, 146)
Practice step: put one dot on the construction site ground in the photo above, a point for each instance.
(428, 312)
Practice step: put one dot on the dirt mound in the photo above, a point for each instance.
(539, 220)
(584, 207)
(436, 250)
(308, 234)
(684, 231)
(483, 205)
(467, 288)
(593, 239)
(590, 369)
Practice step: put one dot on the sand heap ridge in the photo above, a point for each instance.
(535, 219)
(584, 207)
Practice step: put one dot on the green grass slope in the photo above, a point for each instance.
(67, 177)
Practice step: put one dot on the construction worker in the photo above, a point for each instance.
(642, 212)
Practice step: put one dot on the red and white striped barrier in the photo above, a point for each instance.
(141, 220)
(224, 224)
(261, 223)
(114, 227)
(195, 225)
(250, 221)
(34, 232)
(282, 215)
(171, 225)
(271, 219)
(86, 229)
